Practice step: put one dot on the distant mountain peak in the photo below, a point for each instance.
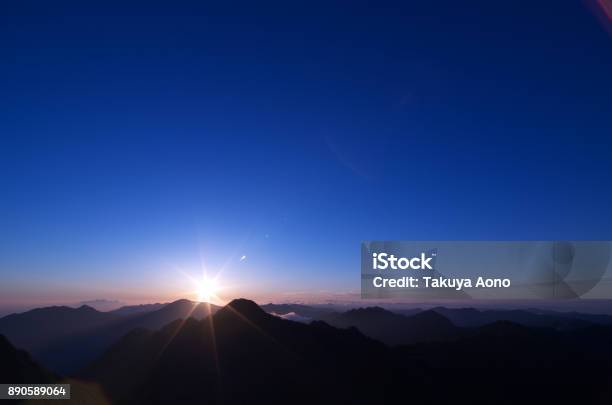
(86, 308)
(369, 310)
(505, 329)
(245, 306)
(183, 301)
(430, 314)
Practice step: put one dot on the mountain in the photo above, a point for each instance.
(65, 339)
(470, 317)
(241, 354)
(18, 367)
(244, 355)
(137, 309)
(180, 309)
(103, 304)
(460, 317)
(396, 329)
(601, 319)
(38, 328)
(516, 364)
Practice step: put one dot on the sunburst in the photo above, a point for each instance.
(207, 289)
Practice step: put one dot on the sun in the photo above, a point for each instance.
(207, 289)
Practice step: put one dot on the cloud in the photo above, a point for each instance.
(292, 316)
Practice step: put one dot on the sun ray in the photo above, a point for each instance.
(213, 338)
(176, 331)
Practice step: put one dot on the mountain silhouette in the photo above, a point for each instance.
(137, 309)
(66, 339)
(396, 329)
(244, 355)
(17, 366)
(470, 317)
(240, 354)
(508, 363)
(462, 317)
(180, 309)
(36, 329)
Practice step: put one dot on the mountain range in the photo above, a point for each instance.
(240, 353)
(408, 326)
(65, 339)
(191, 353)
(395, 329)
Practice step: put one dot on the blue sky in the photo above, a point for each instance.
(135, 141)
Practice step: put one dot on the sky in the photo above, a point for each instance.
(266, 141)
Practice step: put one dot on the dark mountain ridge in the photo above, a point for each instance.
(463, 317)
(242, 354)
(18, 367)
(395, 329)
(36, 328)
(239, 353)
(65, 339)
(470, 317)
(137, 309)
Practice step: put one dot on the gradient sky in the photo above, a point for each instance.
(134, 141)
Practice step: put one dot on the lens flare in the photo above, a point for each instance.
(207, 289)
